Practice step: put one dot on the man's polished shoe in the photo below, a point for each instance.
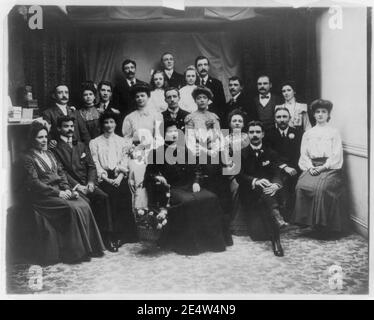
(118, 243)
(277, 247)
(111, 246)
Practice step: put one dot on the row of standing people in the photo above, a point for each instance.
(119, 99)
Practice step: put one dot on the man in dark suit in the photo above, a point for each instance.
(239, 100)
(121, 94)
(174, 78)
(61, 108)
(105, 104)
(259, 182)
(174, 112)
(265, 102)
(81, 174)
(218, 101)
(286, 141)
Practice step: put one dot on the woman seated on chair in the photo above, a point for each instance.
(67, 229)
(205, 140)
(109, 155)
(320, 188)
(195, 215)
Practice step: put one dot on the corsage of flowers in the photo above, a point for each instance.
(209, 124)
(291, 136)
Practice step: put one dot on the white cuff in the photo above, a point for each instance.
(254, 183)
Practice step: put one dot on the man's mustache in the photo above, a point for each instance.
(204, 70)
(131, 72)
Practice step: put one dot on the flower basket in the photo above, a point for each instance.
(151, 221)
(148, 234)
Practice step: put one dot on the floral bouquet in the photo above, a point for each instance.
(137, 152)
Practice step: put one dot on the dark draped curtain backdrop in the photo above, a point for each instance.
(279, 42)
(43, 58)
(283, 46)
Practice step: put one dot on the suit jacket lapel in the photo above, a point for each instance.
(59, 113)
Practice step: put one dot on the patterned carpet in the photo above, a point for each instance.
(246, 268)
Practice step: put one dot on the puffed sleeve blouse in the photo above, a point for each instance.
(321, 142)
(141, 120)
(109, 153)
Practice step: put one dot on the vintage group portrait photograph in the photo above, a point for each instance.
(187, 148)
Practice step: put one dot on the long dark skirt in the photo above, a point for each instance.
(194, 222)
(123, 222)
(67, 230)
(320, 200)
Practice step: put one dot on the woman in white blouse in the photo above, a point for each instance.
(320, 188)
(158, 84)
(109, 155)
(298, 111)
(187, 102)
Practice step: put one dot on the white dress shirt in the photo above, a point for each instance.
(68, 140)
(129, 82)
(283, 132)
(169, 73)
(264, 101)
(204, 80)
(63, 108)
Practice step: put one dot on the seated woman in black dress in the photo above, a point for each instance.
(195, 215)
(67, 229)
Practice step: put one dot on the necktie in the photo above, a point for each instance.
(283, 134)
(203, 82)
(70, 143)
(265, 97)
(232, 101)
(132, 82)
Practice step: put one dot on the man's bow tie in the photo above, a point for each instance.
(265, 97)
